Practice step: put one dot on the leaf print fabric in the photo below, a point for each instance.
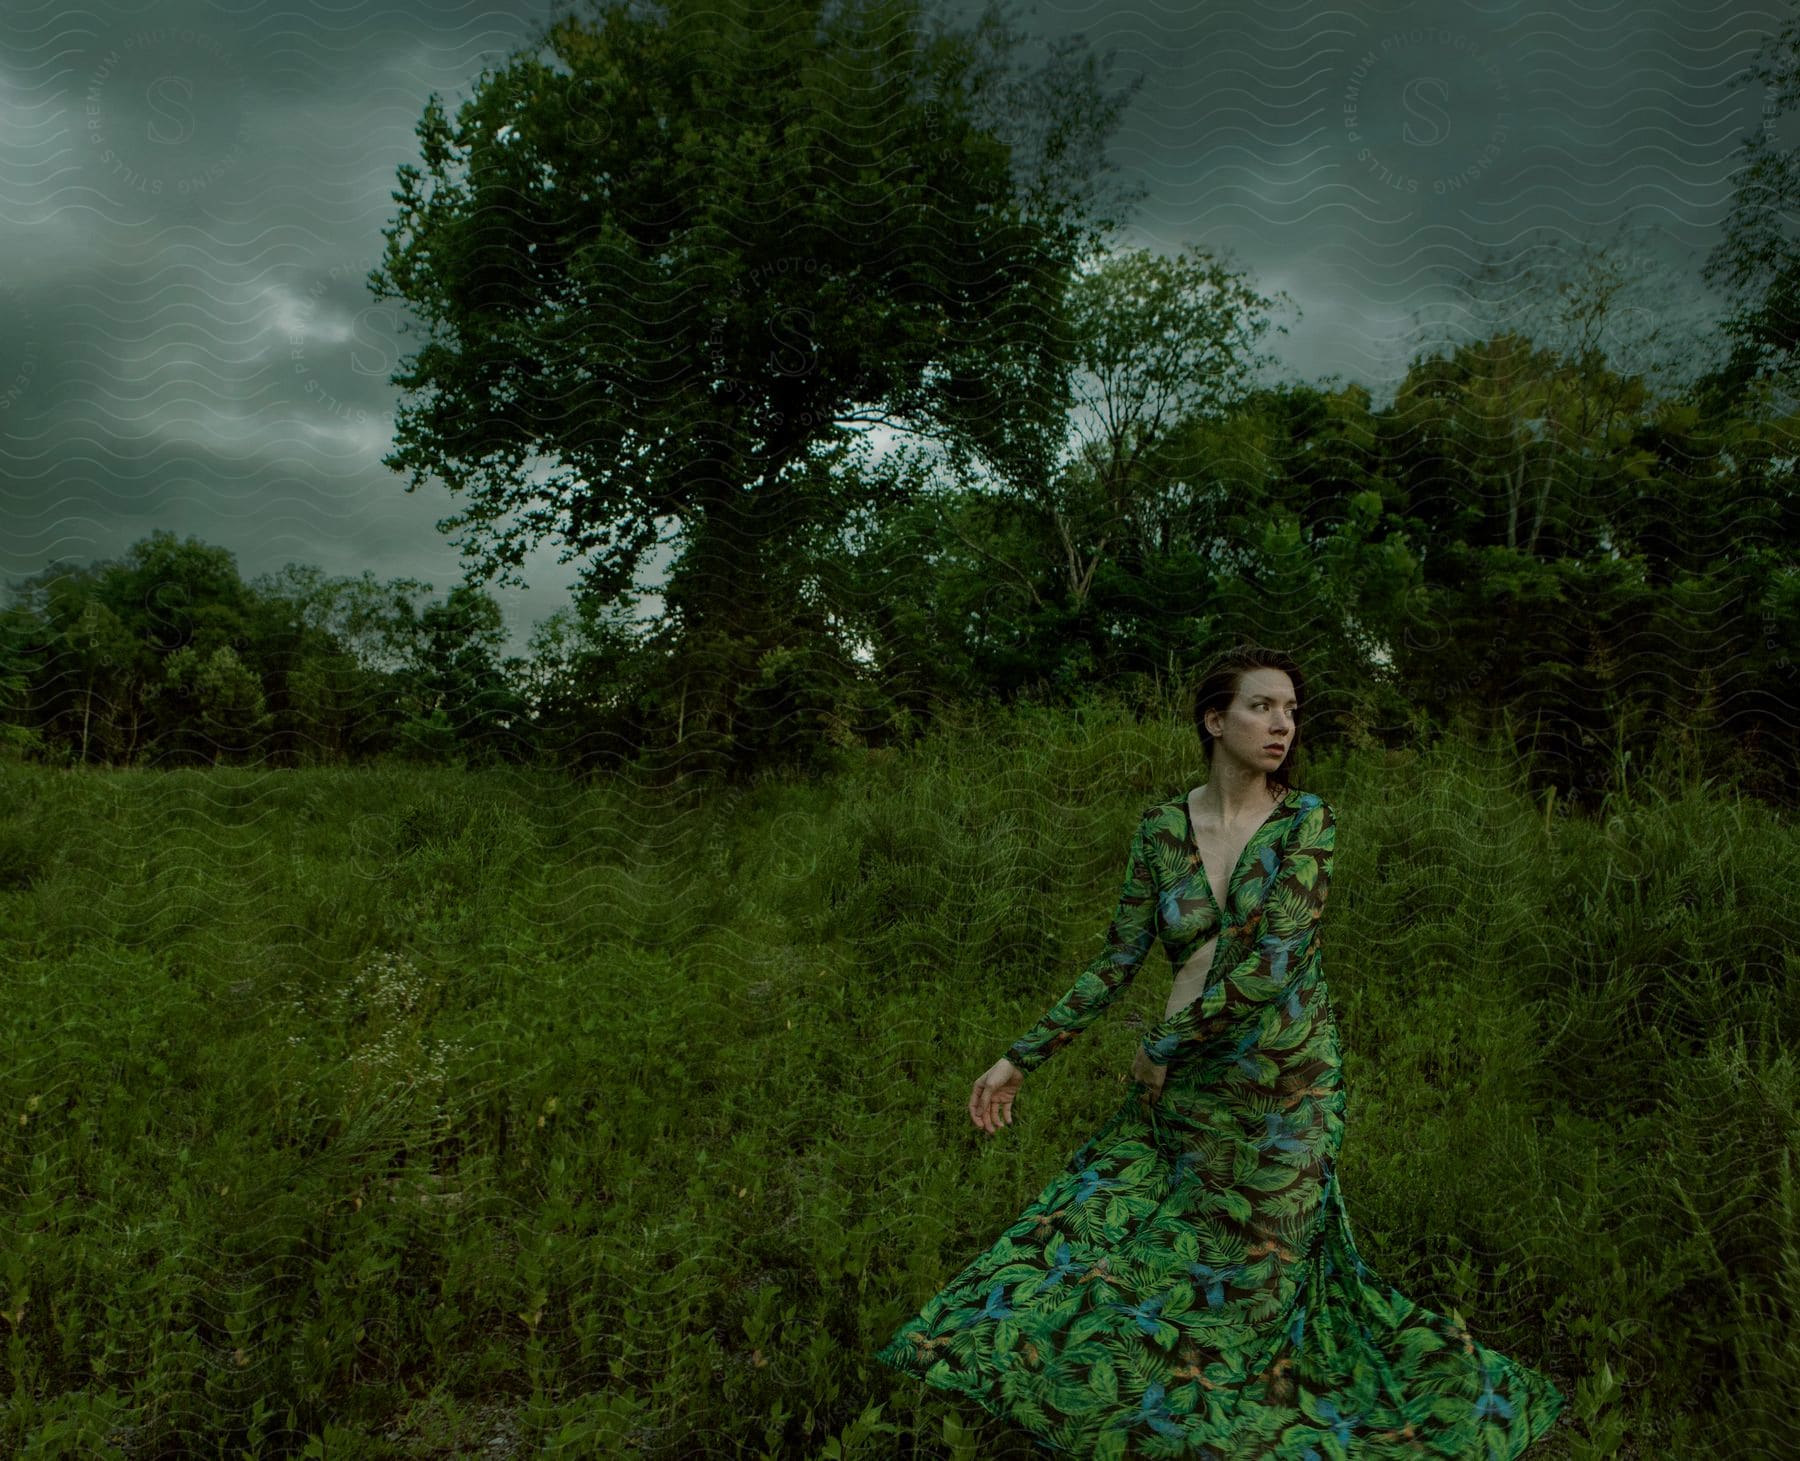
(1275, 952)
(1187, 1285)
(1128, 939)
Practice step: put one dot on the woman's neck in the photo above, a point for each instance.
(1233, 799)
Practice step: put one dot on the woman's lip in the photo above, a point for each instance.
(1273, 747)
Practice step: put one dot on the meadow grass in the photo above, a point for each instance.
(408, 1113)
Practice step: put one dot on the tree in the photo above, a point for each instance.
(16, 628)
(342, 667)
(697, 247)
(100, 647)
(93, 665)
(1044, 578)
(226, 696)
(172, 594)
(584, 674)
(1509, 443)
(458, 679)
(1538, 402)
(1160, 343)
(1757, 256)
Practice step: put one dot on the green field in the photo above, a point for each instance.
(407, 1113)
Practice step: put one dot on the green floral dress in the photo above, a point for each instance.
(1187, 1286)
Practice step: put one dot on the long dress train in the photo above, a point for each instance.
(1187, 1285)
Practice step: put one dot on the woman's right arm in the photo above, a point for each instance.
(1128, 939)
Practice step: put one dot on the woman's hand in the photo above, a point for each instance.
(992, 1099)
(1145, 1069)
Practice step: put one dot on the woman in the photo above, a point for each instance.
(1187, 1284)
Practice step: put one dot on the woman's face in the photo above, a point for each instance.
(1262, 713)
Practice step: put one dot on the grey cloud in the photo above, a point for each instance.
(205, 357)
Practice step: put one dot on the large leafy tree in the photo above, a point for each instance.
(665, 268)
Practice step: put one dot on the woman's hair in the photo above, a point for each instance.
(1219, 685)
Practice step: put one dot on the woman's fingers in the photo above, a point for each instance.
(980, 1106)
(989, 1105)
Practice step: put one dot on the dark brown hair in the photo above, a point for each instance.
(1219, 686)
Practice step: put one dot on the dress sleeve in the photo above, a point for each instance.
(1280, 943)
(1128, 939)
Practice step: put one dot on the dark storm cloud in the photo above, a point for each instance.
(186, 338)
(1361, 158)
(193, 196)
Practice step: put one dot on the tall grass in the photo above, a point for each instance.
(409, 1113)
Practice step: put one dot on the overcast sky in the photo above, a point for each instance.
(192, 193)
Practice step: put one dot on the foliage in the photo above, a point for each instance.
(685, 262)
(392, 1112)
(1757, 256)
(1085, 487)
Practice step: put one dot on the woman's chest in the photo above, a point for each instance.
(1211, 878)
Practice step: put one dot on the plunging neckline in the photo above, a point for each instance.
(1187, 812)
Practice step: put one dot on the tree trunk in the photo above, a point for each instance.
(131, 746)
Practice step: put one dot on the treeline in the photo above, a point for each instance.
(1434, 560)
(166, 656)
(693, 273)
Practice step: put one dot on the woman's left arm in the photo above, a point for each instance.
(1282, 942)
